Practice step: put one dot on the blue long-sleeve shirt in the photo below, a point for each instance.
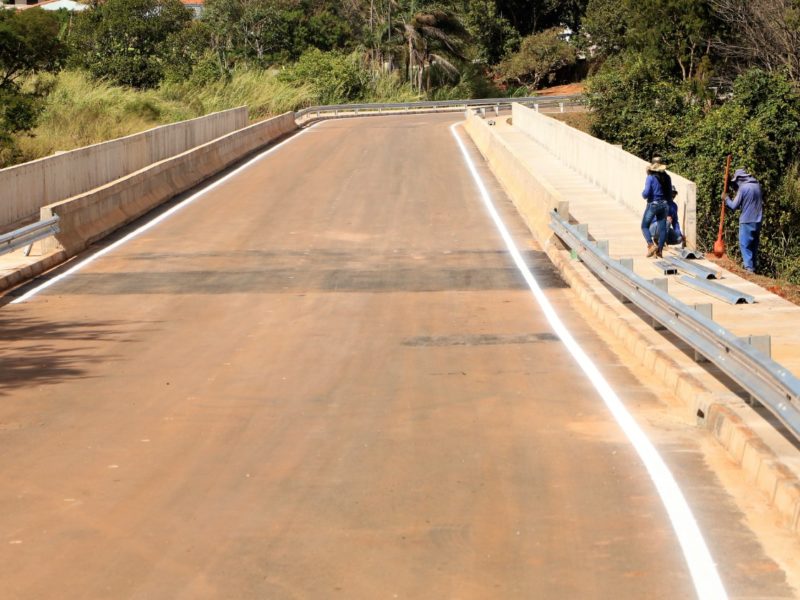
(653, 191)
(749, 198)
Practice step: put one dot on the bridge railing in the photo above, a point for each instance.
(25, 236)
(764, 379)
(341, 110)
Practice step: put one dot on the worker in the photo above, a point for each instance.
(748, 198)
(657, 190)
(674, 233)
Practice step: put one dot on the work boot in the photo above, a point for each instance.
(658, 254)
(651, 249)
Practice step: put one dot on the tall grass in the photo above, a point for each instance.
(263, 93)
(79, 111)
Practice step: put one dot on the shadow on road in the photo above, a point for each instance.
(34, 352)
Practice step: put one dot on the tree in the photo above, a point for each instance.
(540, 55)
(606, 26)
(127, 41)
(675, 33)
(531, 16)
(760, 33)
(433, 39)
(29, 44)
(492, 33)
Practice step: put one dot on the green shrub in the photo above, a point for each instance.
(334, 77)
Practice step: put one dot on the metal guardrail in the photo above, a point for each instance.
(766, 380)
(25, 236)
(317, 112)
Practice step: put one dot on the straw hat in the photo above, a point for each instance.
(657, 165)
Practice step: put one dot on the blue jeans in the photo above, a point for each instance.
(672, 237)
(749, 234)
(659, 211)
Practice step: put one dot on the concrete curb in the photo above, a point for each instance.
(744, 447)
(29, 271)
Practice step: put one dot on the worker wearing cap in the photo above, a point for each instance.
(749, 198)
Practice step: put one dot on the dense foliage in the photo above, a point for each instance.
(328, 51)
(697, 80)
(29, 43)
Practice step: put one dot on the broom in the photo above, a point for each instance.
(719, 245)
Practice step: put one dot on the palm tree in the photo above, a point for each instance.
(431, 38)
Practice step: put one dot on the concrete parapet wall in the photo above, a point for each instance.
(25, 188)
(618, 173)
(90, 216)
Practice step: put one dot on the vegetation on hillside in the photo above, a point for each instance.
(133, 64)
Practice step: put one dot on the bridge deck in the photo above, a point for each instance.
(326, 378)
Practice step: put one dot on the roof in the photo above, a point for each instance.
(69, 5)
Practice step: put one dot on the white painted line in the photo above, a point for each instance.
(150, 224)
(707, 581)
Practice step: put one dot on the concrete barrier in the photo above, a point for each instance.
(618, 173)
(90, 216)
(25, 188)
(534, 198)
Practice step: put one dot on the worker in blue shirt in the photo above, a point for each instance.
(749, 198)
(674, 233)
(657, 190)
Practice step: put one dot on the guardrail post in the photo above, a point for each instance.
(561, 106)
(536, 106)
(602, 245)
(762, 343)
(497, 110)
(625, 263)
(336, 113)
(583, 229)
(563, 209)
(661, 283)
(483, 112)
(706, 310)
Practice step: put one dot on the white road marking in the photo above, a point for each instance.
(150, 224)
(705, 576)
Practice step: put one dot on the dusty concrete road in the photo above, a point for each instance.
(325, 378)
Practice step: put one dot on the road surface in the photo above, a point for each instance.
(325, 378)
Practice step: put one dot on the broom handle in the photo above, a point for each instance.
(725, 194)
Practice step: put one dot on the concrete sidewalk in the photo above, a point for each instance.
(770, 459)
(16, 268)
